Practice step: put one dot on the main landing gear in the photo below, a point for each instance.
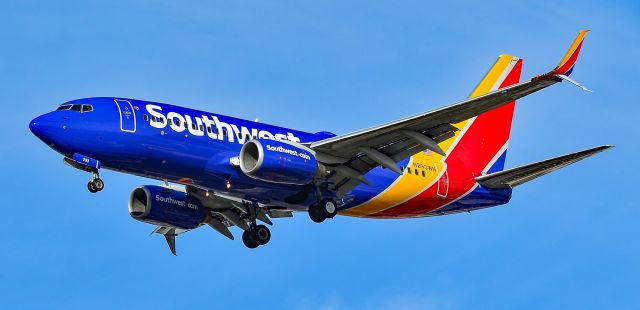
(96, 184)
(256, 235)
(324, 209)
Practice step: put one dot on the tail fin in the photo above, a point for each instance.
(491, 130)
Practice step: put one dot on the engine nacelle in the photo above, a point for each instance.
(164, 206)
(278, 162)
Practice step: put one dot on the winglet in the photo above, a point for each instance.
(565, 67)
(169, 235)
(171, 241)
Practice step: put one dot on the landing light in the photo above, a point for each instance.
(228, 184)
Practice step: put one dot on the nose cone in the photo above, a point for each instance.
(45, 127)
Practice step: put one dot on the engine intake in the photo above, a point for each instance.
(164, 206)
(278, 162)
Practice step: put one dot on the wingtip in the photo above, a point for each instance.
(565, 67)
(602, 148)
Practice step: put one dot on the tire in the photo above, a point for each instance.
(249, 238)
(329, 208)
(91, 188)
(316, 214)
(262, 234)
(98, 184)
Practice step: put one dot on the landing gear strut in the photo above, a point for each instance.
(324, 209)
(96, 184)
(256, 235)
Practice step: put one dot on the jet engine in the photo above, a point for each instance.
(278, 162)
(164, 206)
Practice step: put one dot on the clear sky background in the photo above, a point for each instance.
(567, 240)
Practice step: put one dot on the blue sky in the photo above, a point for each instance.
(568, 240)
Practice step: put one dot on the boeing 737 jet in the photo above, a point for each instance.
(222, 171)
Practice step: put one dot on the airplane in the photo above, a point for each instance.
(223, 171)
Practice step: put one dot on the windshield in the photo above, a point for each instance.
(64, 107)
(83, 108)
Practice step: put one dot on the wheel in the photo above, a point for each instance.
(98, 184)
(316, 214)
(250, 239)
(329, 208)
(262, 234)
(91, 188)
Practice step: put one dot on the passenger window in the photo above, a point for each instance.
(415, 171)
(170, 121)
(423, 174)
(185, 124)
(87, 108)
(146, 117)
(153, 119)
(201, 128)
(209, 129)
(408, 170)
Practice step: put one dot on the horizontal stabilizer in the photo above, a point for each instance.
(516, 176)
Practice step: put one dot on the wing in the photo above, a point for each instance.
(352, 155)
(222, 212)
(516, 176)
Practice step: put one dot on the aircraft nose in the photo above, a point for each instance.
(34, 125)
(37, 125)
(43, 127)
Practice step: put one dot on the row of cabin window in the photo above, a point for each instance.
(222, 131)
(415, 171)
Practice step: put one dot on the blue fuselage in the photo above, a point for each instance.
(185, 146)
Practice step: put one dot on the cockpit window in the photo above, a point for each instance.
(87, 108)
(64, 107)
(83, 108)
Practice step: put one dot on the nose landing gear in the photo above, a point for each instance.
(96, 184)
(87, 164)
